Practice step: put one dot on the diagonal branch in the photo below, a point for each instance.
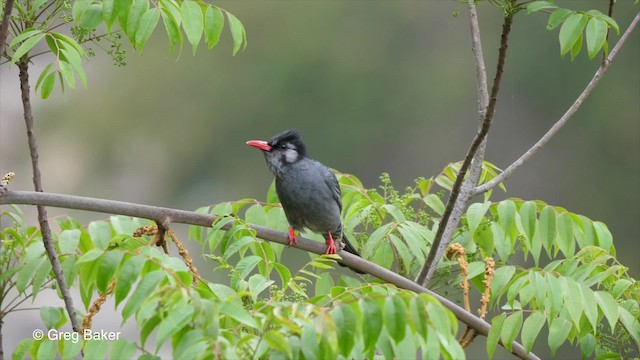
(162, 215)
(47, 240)
(460, 194)
(567, 115)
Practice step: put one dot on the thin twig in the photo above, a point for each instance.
(448, 223)
(606, 39)
(160, 214)
(567, 115)
(47, 239)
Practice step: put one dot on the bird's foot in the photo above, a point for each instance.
(293, 239)
(331, 245)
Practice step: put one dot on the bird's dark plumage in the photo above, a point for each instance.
(309, 191)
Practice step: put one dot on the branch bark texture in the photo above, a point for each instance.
(460, 194)
(4, 32)
(567, 115)
(45, 229)
(164, 215)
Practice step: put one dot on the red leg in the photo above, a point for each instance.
(293, 239)
(331, 245)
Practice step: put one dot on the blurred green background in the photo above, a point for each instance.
(374, 86)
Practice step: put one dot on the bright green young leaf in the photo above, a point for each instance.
(547, 227)
(565, 240)
(237, 33)
(68, 241)
(575, 50)
(247, 264)
(605, 239)
(540, 5)
(192, 22)
(435, 203)
(67, 72)
(571, 31)
(558, 332)
(596, 36)
(213, 24)
(109, 14)
(511, 328)
(23, 36)
(26, 46)
(48, 84)
(236, 245)
(531, 329)
(43, 75)
(494, 333)
(138, 8)
(278, 342)
(475, 215)
(41, 273)
(558, 17)
(147, 24)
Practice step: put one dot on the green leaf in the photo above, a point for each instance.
(46, 350)
(237, 33)
(138, 8)
(557, 18)
(502, 276)
(571, 31)
(238, 313)
(177, 318)
(475, 215)
(558, 332)
(345, 319)
(21, 350)
(565, 239)
(213, 24)
(128, 274)
(147, 284)
(247, 264)
(575, 50)
(96, 349)
(257, 284)
(67, 72)
(572, 295)
(277, 341)
(540, 5)
(435, 203)
(27, 33)
(373, 326)
(494, 333)
(596, 35)
(26, 46)
(43, 74)
(48, 84)
(148, 23)
(609, 307)
(51, 316)
(91, 256)
(236, 246)
(605, 240)
(547, 227)
(531, 329)
(107, 269)
(192, 22)
(109, 13)
(73, 58)
(511, 328)
(91, 16)
(122, 349)
(395, 318)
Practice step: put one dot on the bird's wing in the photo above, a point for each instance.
(332, 182)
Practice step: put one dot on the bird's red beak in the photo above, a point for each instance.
(259, 144)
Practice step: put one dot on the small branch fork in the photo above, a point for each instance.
(167, 215)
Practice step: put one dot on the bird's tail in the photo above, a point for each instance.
(350, 249)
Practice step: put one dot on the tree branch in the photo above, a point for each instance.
(4, 32)
(161, 214)
(460, 194)
(567, 115)
(43, 219)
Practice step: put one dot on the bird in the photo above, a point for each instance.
(308, 191)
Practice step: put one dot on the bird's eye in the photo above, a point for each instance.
(283, 146)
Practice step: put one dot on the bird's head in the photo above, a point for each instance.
(282, 150)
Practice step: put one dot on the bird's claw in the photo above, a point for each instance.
(293, 239)
(331, 245)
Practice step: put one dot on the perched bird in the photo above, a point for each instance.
(309, 191)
